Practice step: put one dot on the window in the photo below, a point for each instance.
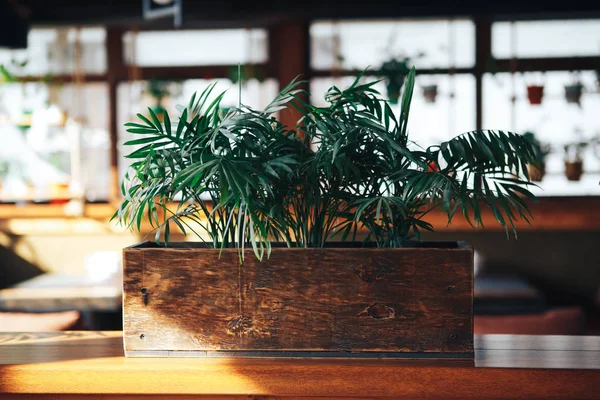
(54, 51)
(134, 97)
(555, 121)
(196, 47)
(452, 113)
(343, 46)
(530, 39)
(360, 44)
(55, 142)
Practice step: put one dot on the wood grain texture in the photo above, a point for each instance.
(334, 301)
(505, 367)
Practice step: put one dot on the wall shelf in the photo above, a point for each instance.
(550, 214)
(100, 211)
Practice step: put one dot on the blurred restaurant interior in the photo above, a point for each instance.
(73, 73)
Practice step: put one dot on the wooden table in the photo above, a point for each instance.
(53, 292)
(91, 365)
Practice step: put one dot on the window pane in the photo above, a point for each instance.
(555, 121)
(361, 44)
(53, 51)
(196, 47)
(565, 38)
(55, 142)
(452, 113)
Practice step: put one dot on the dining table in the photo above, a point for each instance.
(92, 365)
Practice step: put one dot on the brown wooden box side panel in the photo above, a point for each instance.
(341, 300)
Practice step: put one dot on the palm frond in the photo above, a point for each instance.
(244, 179)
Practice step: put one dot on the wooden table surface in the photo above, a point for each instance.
(91, 365)
(52, 292)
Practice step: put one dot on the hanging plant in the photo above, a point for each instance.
(394, 72)
(245, 73)
(535, 93)
(573, 93)
(430, 93)
(493, 69)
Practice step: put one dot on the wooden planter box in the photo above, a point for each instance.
(185, 300)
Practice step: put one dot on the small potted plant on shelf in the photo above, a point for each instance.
(535, 93)
(308, 250)
(430, 93)
(574, 160)
(537, 169)
(573, 92)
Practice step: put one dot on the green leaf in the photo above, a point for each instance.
(244, 177)
(142, 141)
(182, 122)
(155, 119)
(167, 123)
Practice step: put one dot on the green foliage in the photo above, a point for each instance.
(541, 150)
(158, 89)
(245, 179)
(394, 71)
(224, 166)
(5, 75)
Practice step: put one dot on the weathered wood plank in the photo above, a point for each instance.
(331, 300)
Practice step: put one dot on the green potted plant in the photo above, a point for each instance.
(308, 250)
(394, 72)
(574, 160)
(537, 169)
